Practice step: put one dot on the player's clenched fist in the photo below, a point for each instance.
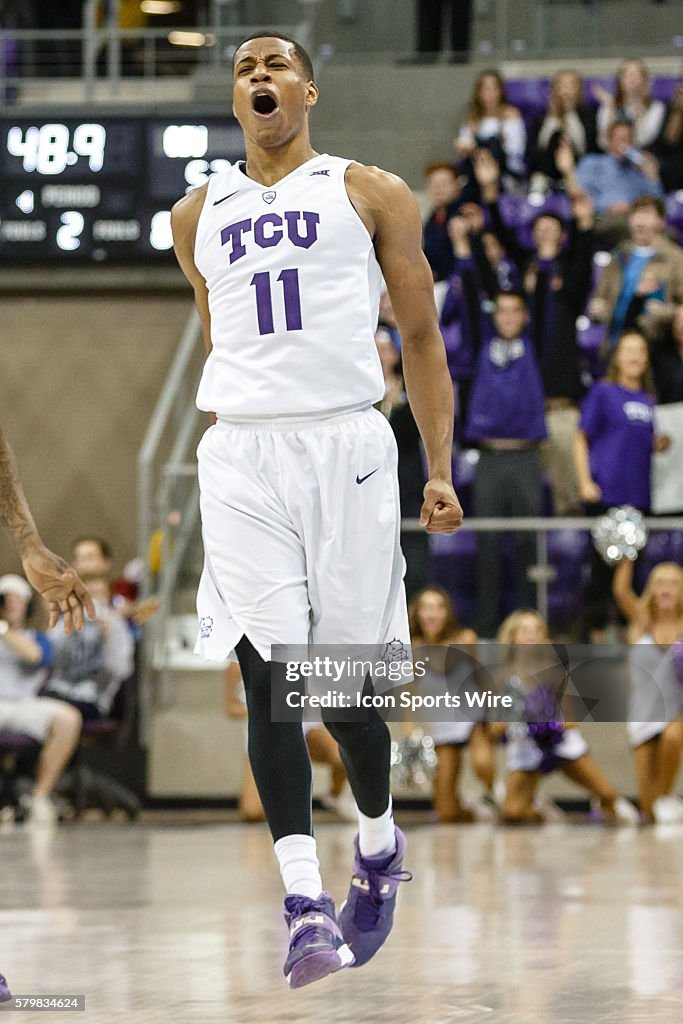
(441, 511)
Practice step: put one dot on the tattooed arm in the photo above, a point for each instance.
(14, 511)
(48, 573)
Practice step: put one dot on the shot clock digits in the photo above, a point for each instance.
(49, 150)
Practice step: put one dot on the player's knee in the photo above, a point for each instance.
(349, 734)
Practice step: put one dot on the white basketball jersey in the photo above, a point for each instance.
(293, 293)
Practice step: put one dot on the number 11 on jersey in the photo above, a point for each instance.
(289, 279)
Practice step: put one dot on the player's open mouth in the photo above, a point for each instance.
(264, 104)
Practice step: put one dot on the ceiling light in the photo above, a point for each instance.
(181, 37)
(160, 6)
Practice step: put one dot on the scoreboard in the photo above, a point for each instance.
(100, 189)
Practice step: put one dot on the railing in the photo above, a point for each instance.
(174, 422)
(110, 55)
(101, 57)
(542, 573)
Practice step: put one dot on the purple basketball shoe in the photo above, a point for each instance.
(368, 914)
(316, 945)
(5, 994)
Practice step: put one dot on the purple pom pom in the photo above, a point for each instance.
(544, 723)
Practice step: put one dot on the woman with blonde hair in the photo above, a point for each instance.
(535, 675)
(434, 623)
(567, 119)
(632, 101)
(655, 628)
(491, 122)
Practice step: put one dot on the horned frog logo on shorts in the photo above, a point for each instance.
(395, 650)
(205, 626)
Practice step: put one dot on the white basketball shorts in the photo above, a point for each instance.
(301, 530)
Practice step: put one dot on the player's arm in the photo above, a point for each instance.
(49, 574)
(184, 220)
(389, 211)
(15, 514)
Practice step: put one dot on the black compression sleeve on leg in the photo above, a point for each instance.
(277, 752)
(365, 749)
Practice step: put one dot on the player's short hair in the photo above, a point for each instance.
(305, 62)
(649, 203)
(440, 165)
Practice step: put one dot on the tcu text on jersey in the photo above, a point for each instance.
(269, 230)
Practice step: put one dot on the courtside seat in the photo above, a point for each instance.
(13, 742)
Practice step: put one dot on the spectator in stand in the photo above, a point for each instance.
(632, 102)
(495, 272)
(615, 179)
(25, 656)
(669, 145)
(90, 666)
(508, 479)
(94, 557)
(567, 119)
(556, 281)
(494, 124)
(613, 456)
(444, 188)
(666, 355)
(655, 630)
(646, 249)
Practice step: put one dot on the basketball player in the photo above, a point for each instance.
(49, 574)
(299, 494)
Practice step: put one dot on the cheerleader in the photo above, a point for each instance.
(655, 628)
(537, 747)
(434, 623)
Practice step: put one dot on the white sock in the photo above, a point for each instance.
(299, 865)
(377, 836)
